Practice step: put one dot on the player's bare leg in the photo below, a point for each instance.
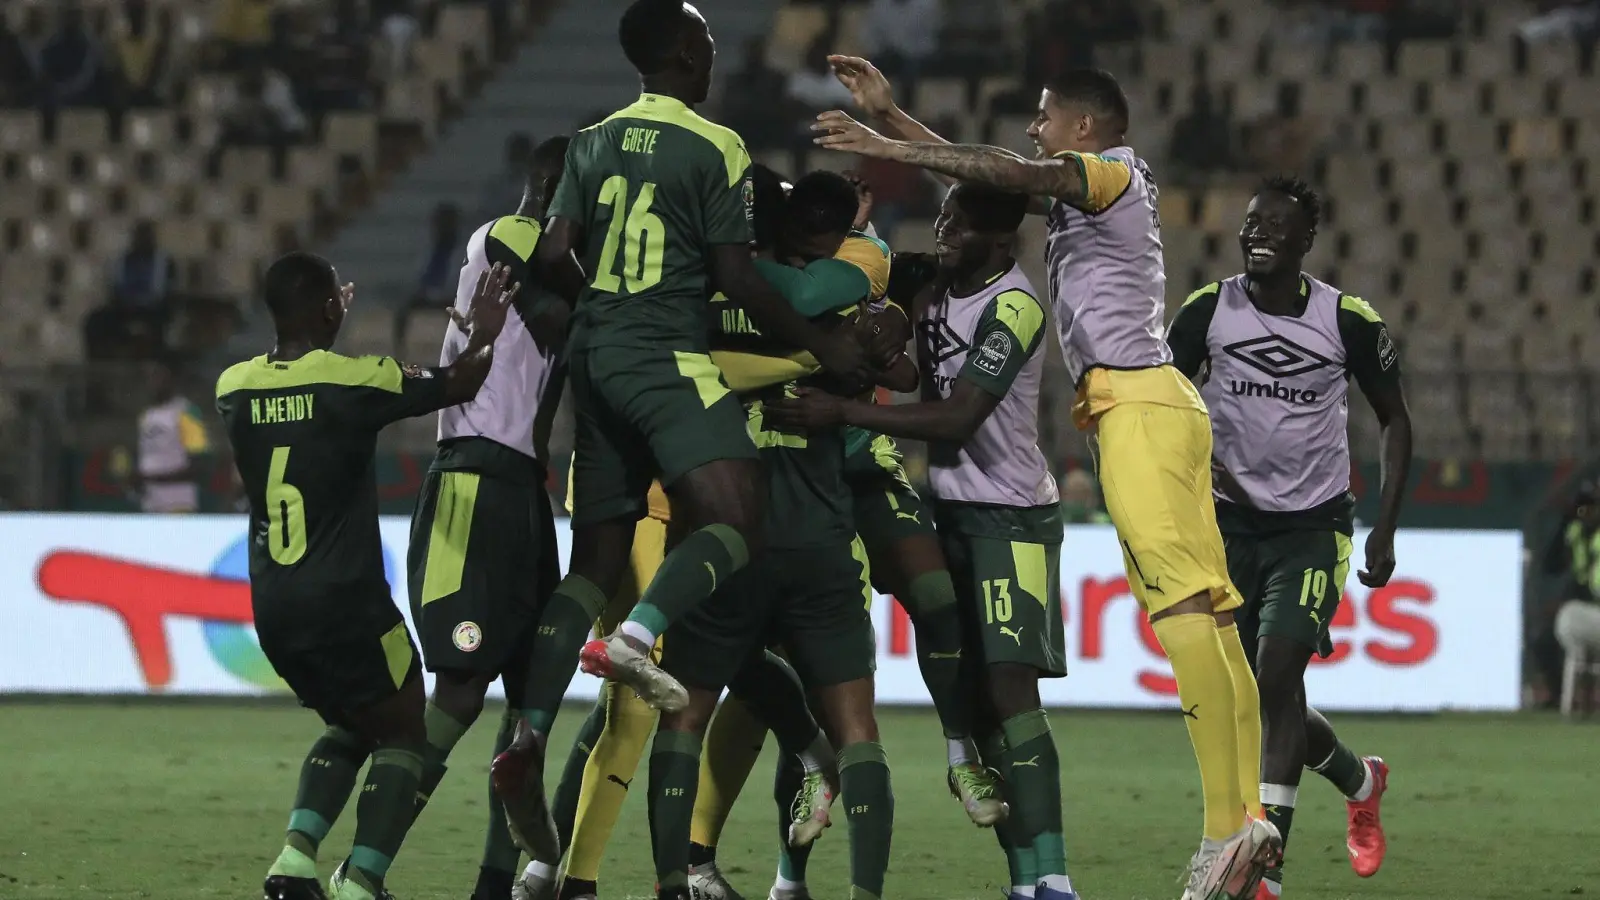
(395, 727)
(913, 569)
(1235, 849)
(722, 501)
(1280, 679)
(1363, 781)
(600, 558)
(1032, 769)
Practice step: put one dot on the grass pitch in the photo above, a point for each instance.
(188, 801)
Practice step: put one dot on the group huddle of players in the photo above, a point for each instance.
(736, 492)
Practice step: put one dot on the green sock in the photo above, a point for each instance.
(674, 778)
(500, 852)
(769, 687)
(1033, 769)
(937, 620)
(565, 807)
(383, 814)
(1342, 767)
(1020, 861)
(869, 804)
(785, 786)
(563, 626)
(327, 777)
(688, 575)
(444, 732)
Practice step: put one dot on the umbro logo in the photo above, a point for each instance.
(1276, 357)
(941, 340)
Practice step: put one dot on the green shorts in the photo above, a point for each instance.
(345, 675)
(887, 508)
(481, 562)
(1009, 592)
(815, 602)
(642, 415)
(1291, 583)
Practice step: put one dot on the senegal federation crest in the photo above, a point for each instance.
(467, 637)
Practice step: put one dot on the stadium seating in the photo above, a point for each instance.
(1457, 172)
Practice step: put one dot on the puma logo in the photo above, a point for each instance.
(1192, 712)
(1315, 617)
(912, 516)
(1014, 635)
(1026, 762)
(712, 570)
(615, 780)
(1153, 587)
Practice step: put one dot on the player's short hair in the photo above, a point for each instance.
(651, 32)
(1096, 90)
(295, 282)
(766, 204)
(989, 209)
(1298, 191)
(549, 156)
(822, 202)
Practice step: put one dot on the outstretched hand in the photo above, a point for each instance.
(837, 131)
(868, 87)
(486, 314)
(809, 408)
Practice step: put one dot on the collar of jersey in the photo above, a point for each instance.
(662, 101)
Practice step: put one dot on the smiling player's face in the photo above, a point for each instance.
(960, 247)
(1275, 236)
(1056, 128)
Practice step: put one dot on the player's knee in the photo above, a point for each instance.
(1199, 604)
(694, 718)
(459, 694)
(1280, 677)
(1013, 689)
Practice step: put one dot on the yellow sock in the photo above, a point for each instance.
(611, 768)
(1247, 713)
(733, 743)
(1205, 690)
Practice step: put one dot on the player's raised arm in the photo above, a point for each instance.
(483, 322)
(1373, 359)
(735, 273)
(1061, 178)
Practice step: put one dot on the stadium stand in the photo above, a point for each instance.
(1456, 144)
(1457, 155)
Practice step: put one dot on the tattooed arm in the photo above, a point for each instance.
(1060, 178)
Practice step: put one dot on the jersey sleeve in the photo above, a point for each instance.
(1187, 333)
(1105, 180)
(745, 371)
(1370, 353)
(871, 256)
(729, 193)
(387, 390)
(823, 286)
(511, 241)
(1008, 334)
(568, 201)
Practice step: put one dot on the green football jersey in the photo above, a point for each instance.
(654, 187)
(303, 434)
(808, 502)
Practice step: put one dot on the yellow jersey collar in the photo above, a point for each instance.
(661, 102)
